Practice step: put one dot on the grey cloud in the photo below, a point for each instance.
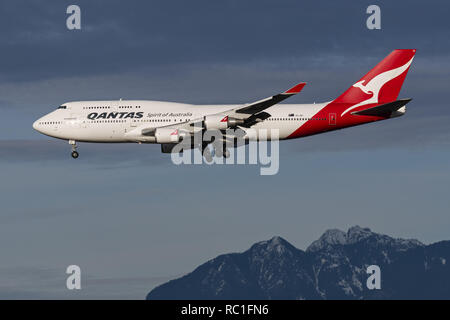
(225, 83)
(163, 33)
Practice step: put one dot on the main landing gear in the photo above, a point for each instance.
(74, 149)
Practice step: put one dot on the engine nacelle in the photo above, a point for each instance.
(233, 122)
(169, 135)
(221, 122)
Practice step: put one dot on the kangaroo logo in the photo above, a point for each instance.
(374, 86)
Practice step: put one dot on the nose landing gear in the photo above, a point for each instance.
(74, 149)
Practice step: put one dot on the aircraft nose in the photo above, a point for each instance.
(36, 125)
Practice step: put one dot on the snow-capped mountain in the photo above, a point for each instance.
(332, 267)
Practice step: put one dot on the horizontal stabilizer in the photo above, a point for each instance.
(384, 110)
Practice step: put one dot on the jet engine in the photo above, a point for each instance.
(170, 135)
(221, 122)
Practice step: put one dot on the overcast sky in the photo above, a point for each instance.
(129, 217)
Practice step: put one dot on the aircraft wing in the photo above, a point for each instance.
(246, 115)
(258, 106)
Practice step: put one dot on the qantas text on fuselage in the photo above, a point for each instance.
(372, 98)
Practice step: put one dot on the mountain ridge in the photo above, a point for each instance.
(332, 267)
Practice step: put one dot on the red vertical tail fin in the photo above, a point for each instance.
(382, 84)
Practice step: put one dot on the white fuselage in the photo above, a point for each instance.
(372, 98)
(123, 121)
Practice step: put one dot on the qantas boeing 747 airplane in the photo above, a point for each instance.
(372, 98)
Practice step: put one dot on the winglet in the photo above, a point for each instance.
(296, 89)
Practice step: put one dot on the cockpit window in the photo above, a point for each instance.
(62, 107)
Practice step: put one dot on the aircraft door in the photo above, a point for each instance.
(114, 107)
(332, 119)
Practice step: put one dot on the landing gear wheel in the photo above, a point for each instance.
(226, 153)
(73, 143)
